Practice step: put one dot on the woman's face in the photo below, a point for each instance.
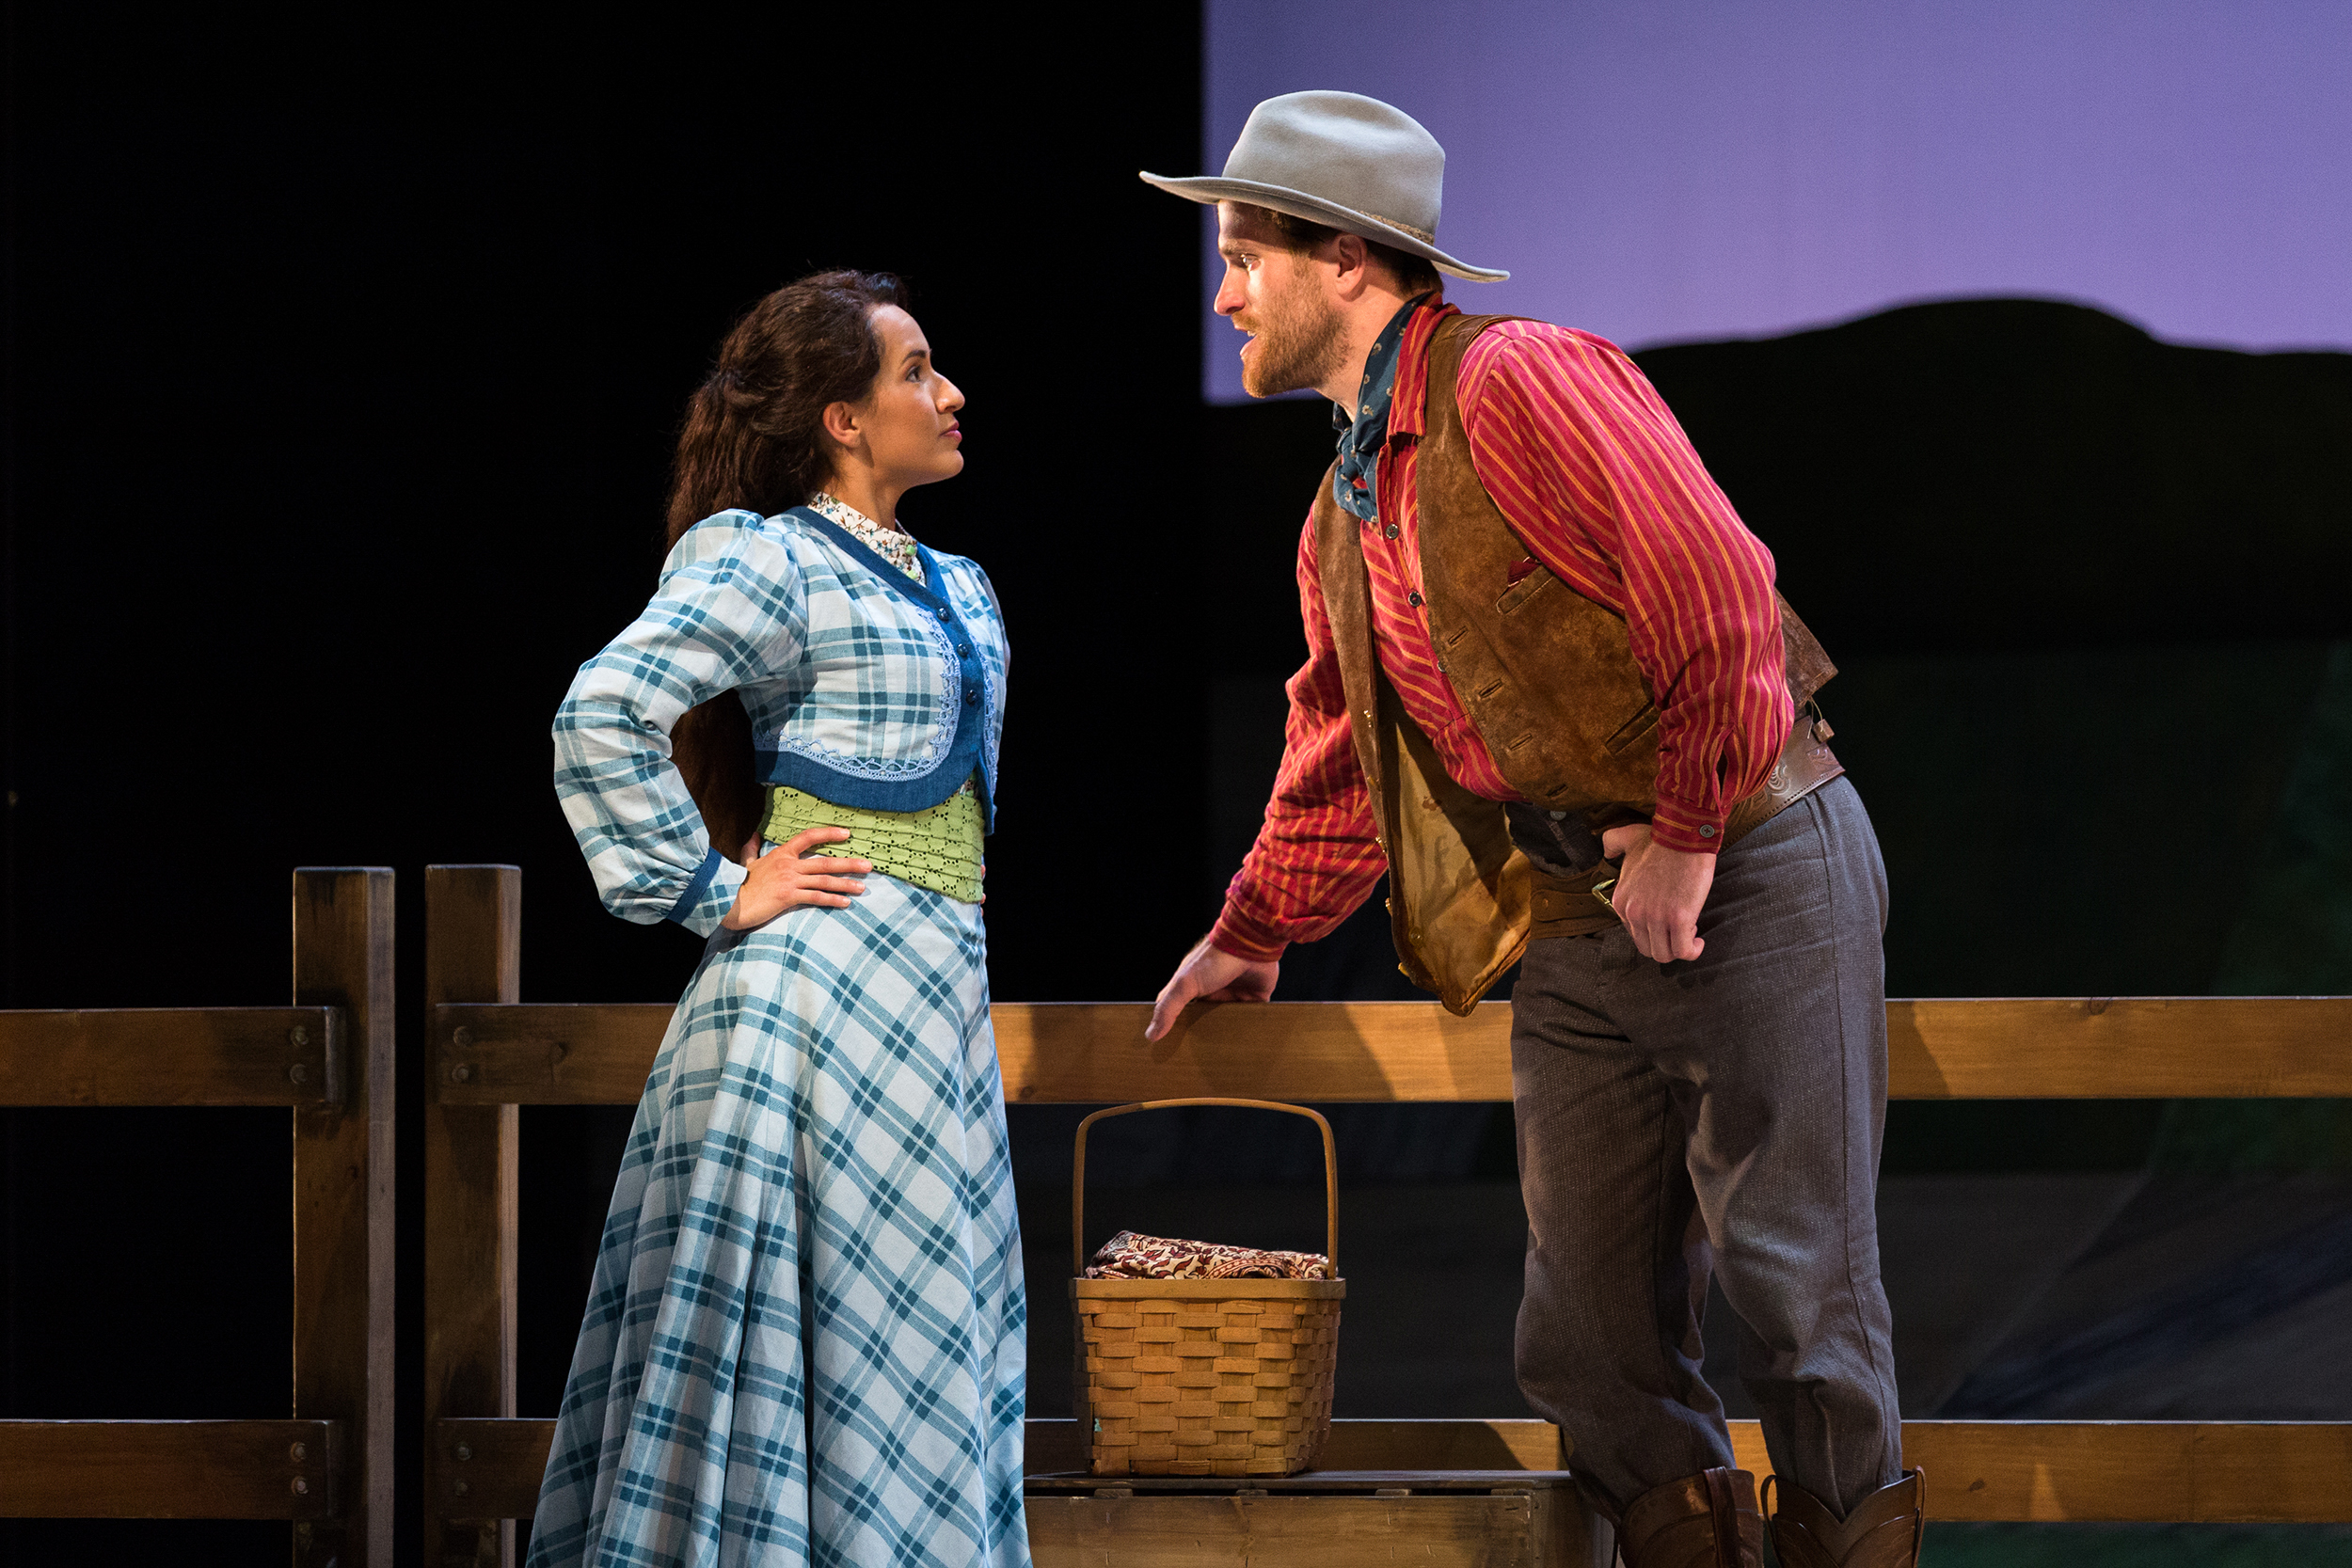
(906, 431)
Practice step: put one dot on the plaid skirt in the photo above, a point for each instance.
(805, 1340)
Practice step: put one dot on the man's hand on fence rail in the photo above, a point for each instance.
(1210, 975)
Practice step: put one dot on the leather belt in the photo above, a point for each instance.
(1565, 906)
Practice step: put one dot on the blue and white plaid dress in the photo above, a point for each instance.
(805, 1342)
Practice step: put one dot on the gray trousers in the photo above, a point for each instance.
(1722, 1115)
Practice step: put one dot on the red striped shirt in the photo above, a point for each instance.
(1599, 482)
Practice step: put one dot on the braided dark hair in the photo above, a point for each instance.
(755, 437)
(754, 429)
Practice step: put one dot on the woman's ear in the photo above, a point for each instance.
(841, 424)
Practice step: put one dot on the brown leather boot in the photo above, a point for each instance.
(1883, 1530)
(1709, 1520)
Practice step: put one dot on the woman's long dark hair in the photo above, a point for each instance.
(754, 439)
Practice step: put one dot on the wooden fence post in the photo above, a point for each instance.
(473, 953)
(342, 1211)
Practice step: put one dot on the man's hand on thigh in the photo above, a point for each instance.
(1659, 893)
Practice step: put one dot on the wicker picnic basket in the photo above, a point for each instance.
(1206, 1377)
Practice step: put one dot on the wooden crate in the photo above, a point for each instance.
(1438, 1493)
(1325, 1519)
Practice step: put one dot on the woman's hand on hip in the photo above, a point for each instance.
(789, 876)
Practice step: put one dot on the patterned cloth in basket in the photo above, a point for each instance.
(1130, 1256)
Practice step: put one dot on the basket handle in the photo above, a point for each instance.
(1078, 1171)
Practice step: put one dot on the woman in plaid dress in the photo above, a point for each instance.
(804, 1338)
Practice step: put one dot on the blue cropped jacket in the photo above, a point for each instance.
(864, 688)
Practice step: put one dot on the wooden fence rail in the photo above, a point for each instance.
(1087, 1053)
(172, 1469)
(291, 1056)
(491, 1053)
(328, 1058)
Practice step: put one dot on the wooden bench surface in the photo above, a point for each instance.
(2040, 1471)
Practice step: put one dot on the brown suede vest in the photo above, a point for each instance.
(1547, 678)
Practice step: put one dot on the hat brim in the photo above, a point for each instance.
(1209, 190)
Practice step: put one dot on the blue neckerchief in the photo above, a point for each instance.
(1361, 437)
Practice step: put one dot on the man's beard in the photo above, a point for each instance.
(1298, 343)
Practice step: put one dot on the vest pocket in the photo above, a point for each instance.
(1524, 590)
(1633, 728)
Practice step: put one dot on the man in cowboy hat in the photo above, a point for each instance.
(1550, 693)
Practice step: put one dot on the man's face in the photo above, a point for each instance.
(1281, 299)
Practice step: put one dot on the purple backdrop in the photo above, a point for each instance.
(1661, 173)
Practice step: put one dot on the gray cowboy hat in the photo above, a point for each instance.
(1345, 161)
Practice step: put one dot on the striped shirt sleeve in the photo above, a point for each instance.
(1317, 857)
(1599, 479)
(729, 610)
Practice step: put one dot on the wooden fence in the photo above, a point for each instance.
(491, 1053)
(327, 1468)
(328, 1058)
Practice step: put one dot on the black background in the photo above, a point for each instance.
(346, 352)
(344, 358)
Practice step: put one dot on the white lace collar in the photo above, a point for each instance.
(895, 545)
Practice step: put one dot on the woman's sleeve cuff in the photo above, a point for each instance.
(709, 895)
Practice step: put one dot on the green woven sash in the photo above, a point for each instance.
(938, 848)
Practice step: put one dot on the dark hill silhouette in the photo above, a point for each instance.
(2020, 473)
